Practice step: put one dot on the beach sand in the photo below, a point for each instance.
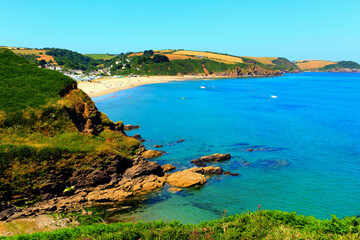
(105, 86)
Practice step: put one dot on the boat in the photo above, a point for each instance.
(273, 96)
(202, 87)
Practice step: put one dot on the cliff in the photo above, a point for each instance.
(57, 150)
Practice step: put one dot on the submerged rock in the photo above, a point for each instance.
(211, 158)
(271, 163)
(158, 146)
(208, 170)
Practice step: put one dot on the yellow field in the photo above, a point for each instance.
(312, 64)
(33, 51)
(264, 60)
(212, 56)
(178, 57)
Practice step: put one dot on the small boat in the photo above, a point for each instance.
(202, 87)
(273, 96)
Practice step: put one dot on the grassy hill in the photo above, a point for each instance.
(312, 64)
(340, 65)
(273, 63)
(49, 130)
(100, 56)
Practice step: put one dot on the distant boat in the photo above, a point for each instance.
(273, 96)
(202, 87)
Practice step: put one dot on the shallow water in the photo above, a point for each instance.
(306, 154)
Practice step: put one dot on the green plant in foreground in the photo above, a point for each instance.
(262, 224)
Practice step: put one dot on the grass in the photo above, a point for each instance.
(262, 224)
(100, 56)
(24, 85)
(213, 56)
(313, 64)
(38, 138)
(264, 60)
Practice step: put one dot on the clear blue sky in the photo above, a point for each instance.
(303, 29)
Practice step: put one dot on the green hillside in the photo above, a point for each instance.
(73, 60)
(49, 129)
(341, 64)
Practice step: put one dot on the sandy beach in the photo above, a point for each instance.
(105, 86)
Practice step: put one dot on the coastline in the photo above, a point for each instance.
(106, 86)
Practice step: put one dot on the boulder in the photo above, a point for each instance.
(208, 170)
(181, 140)
(211, 158)
(136, 136)
(168, 167)
(142, 168)
(158, 146)
(151, 154)
(186, 178)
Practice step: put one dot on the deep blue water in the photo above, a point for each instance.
(306, 142)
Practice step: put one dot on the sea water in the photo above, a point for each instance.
(303, 129)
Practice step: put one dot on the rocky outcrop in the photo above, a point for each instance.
(186, 178)
(168, 167)
(151, 154)
(211, 158)
(208, 170)
(131, 127)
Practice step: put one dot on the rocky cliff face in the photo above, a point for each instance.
(61, 180)
(250, 70)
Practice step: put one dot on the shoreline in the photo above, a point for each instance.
(104, 86)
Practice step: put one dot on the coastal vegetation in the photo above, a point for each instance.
(100, 56)
(341, 64)
(48, 129)
(73, 60)
(262, 224)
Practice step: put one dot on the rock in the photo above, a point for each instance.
(131, 127)
(186, 178)
(142, 140)
(181, 140)
(143, 168)
(108, 195)
(231, 174)
(211, 158)
(168, 167)
(143, 184)
(136, 136)
(151, 154)
(119, 126)
(158, 146)
(174, 190)
(208, 170)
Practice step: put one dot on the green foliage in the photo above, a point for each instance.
(257, 225)
(160, 58)
(25, 85)
(73, 60)
(32, 58)
(148, 52)
(285, 64)
(341, 64)
(100, 56)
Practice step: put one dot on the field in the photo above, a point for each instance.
(264, 60)
(37, 52)
(212, 56)
(313, 64)
(99, 56)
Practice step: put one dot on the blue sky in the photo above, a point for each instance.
(306, 29)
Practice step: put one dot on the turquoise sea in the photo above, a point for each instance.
(306, 143)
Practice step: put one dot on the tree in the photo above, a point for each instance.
(42, 63)
(149, 52)
(160, 58)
